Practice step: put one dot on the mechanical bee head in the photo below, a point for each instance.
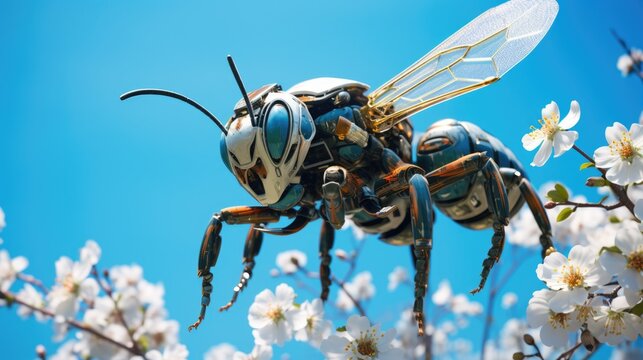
(266, 145)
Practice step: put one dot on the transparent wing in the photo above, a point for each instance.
(475, 56)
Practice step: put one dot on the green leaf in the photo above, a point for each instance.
(614, 219)
(341, 328)
(564, 214)
(296, 305)
(612, 249)
(586, 165)
(637, 309)
(562, 191)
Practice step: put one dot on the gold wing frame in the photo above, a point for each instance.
(475, 56)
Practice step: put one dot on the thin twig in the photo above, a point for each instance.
(568, 354)
(11, 298)
(33, 281)
(495, 289)
(338, 282)
(587, 205)
(119, 313)
(629, 52)
(619, 191)
(352, 263)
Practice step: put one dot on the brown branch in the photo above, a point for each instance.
(568, 354)
(33, 281)
(119, 313)
(338, 282)
(618, 190)
(585, 205)
(11, 298)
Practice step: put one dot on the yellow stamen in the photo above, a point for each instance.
(558, 320)
(572, 276)
(624, 147)
(635, 261)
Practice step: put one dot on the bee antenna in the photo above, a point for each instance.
(178, 96)
(233, 67)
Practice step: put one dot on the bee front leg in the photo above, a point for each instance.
(250, 250)
(422, 226)
(211, 244)
(210, 247)
(498, 203)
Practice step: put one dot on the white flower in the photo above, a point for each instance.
(555, 326)
(523, 230)
(65, 352)
(638, 211)
(90, 253)
(361, 288)
(628, 265)
(613, 325)
(398, 276)
(286, 261)
(223, 351)
(460, 305)
(71, 284)
(509, 300)
(260, 352)
(623, 157)
(124, 276)
(172, 352)
(94, 347)
(625, 63)
(9, 269)
(31, 296)
(443, 295)
(552, 133)
(571, 276)
(315, 327)
(361, 341)
(272, 315)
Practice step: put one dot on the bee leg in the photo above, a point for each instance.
(535, 206)
(326, 241)
(334, 179)
(250, 250)
(422, 225)
(498, 202)
(210, 246)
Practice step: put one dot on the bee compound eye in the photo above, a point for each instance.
(277, 131)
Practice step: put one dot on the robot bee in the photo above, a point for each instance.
(324, 149)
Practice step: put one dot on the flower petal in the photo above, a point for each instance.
(613, 263)
(605, 158)
(563, 141)
(532, 140)
(572, 116)
(614, 132)
(543, 154)
(551, 112)
(357, 324)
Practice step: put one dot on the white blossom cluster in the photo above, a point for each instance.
(119, 305)
(276, 318)
(590, 289)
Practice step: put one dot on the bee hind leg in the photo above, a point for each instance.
(422, 226)
(498, 203)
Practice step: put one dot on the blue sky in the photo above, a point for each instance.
(143, 177)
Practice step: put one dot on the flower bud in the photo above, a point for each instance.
(518, 356)
(341, 254)
(550, 205)
(588, 340)
(528, 339)
(596, 182)
(41, 352)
